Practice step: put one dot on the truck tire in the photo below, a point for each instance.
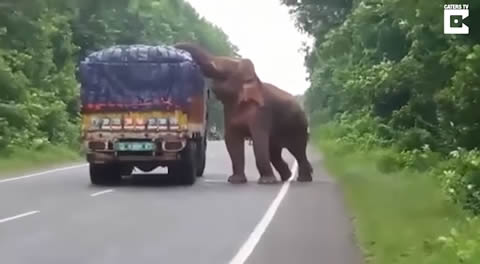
(126, 170)
(103, 174)
(201, 157)
(185, 169)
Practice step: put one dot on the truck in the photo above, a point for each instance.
(144, 107)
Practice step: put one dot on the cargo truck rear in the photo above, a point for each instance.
(144, 107)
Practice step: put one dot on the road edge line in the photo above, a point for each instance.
(250, 244)
(4, 220)
(42, 173)
(102, 192)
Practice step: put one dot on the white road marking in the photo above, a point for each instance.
(257, 233)
(102, 192)
(41, 173)
(215, 181)
(18, 216)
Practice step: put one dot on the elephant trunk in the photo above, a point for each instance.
(204, 59)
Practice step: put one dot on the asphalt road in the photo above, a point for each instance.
(58, 217)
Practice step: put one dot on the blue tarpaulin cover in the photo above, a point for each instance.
(139, 77)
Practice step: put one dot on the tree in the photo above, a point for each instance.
(390, 60)
(42, 41)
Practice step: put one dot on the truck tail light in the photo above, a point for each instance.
(152, 124)
(139, 123)
(173, 121)
(128, 123)
(116, 124)
(162, 123)
(106, 124)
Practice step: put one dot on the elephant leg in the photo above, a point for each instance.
(236, 150)
(262, 156)
(298, 148)
(279, 163)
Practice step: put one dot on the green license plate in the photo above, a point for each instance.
(134, 146)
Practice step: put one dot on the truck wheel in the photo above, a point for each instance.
(202, 158)
(185, 169)
(103, 174)
(126, 170)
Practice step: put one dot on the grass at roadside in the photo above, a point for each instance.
(19, 160)
(400, 217)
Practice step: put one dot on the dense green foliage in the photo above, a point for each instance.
(388, 74)
(20, 160)
(400, 216)
(42, 41)
(384, 75)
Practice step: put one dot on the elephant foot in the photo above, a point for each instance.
(268, 180)
(305, 174)
(285, 177)
(237, 179)
(304, 178)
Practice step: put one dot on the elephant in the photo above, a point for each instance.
(256, 110)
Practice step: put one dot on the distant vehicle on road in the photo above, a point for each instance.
(213, 134)
(145, 107)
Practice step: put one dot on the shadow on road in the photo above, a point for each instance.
(150, 180)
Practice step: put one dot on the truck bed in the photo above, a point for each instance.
(139, 78)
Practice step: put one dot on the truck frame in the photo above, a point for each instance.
(119, 138)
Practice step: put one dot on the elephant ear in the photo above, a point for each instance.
(251, 89)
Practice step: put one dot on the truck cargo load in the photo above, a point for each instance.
(139, 77)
